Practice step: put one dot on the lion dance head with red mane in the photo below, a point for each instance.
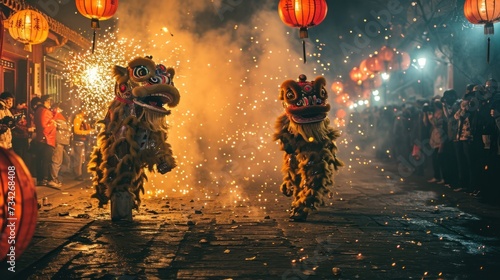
(309, 144)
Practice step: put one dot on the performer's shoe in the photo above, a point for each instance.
(103, 199)
(54, 184)
(44, 182)
(298, 216)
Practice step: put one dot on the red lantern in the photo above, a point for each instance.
(356, 75)
(401, 61)
(363, 67)
(372, 82)
(96, 10)
(29, 27)
(18, 206)
(484, 12)
(373, 64)
(342, 98)
(302, 14)
(386, 54)
(340, 113)
(337, 87)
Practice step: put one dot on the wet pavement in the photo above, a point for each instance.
(377, 226)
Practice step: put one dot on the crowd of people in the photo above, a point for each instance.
(49, 140)
(453, 138)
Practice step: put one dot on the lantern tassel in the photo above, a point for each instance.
(93, 42)
(304, 50)
(488, 52)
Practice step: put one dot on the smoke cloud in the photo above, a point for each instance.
(230, 58)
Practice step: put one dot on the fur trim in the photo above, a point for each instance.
(119, 160)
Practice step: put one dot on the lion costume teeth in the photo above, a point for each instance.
(134, 135)
(309, 144)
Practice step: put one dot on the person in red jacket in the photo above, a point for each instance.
(45, 139)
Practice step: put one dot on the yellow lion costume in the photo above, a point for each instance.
(309, 143)
(133, 135)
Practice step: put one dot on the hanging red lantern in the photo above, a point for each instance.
(401, 61)
(374, 64)
(29, 27)
(357, 75)
(484, 12)
(363, 67)
(372, 82)
(337, 87)
(386, 54)
(366, 93)
(342, 98)
(341, 113)
(302, 14)
(18, 206)
(96, 10)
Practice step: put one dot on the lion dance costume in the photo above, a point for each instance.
(134, 135)
(309, 144)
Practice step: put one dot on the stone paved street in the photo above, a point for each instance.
(378, 226)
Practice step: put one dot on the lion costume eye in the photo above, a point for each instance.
(290, 95)
(140, 71)
(159, 79)
(154, 80)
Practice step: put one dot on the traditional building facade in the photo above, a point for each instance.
(28, 74)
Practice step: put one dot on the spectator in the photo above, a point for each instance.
(45, 141)
(6, 120)
(450, 107)
(21, 133)
(494, 194)
(81, 141)
(491, 87)
(420, 134)
(63, 138)
(437, 120)
(487, 129)
(35, 102)
(469, 142)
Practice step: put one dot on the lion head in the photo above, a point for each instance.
(305, 101)
(147, 84)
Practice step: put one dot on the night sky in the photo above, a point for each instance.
(337, 34)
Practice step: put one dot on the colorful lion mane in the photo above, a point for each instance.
(133, 135)
(308, 141)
